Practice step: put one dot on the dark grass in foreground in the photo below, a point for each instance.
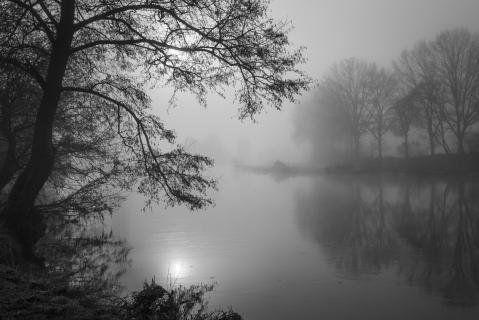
(80, 280)
(28, 295)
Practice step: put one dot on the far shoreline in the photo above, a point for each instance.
(440, 164)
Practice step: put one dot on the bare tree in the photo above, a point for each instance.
(405, 111)
(455, 55)
(106, 51)
(381, 88)
(417, 75)
(345, 87)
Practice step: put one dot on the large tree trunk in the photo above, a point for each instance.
(9, 164)
(460, 143)
(406, 145)
(380, 147)
(356, 147)
(430, 135)
(18, 215)
(460, 147)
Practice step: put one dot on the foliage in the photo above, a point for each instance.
(180, 303)
(17, 97)
(91, 63)
(117, 48)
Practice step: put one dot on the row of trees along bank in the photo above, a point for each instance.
(431, 94)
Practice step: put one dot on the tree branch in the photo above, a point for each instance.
(34, 13)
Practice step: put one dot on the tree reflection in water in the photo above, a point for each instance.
(427, 229)
(84, 255)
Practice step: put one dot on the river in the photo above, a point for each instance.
(318, 247)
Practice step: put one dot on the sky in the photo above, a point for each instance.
(331, 30)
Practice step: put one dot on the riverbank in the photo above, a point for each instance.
(441, 164)
(36, 295)
(32, 295)
(84, 292)
(428, 165)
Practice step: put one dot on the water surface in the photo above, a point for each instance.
(312, 247)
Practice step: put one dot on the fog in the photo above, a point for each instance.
(283, 246)
(357, 200)
(373, 30)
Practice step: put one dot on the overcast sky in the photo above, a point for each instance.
(375, 30)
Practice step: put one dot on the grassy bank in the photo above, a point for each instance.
(28, 294)
(33, 294)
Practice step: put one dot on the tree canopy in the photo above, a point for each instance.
(91, 62)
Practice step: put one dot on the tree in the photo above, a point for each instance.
(83, 183)
(326, 126)
(405, 112)
(455, 55)
(345, 87)
(17, 95)
(103, 52)
(381, 88)
(416, 73)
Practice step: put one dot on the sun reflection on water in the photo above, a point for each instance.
(178, 269)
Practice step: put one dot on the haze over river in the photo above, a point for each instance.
(318, 247)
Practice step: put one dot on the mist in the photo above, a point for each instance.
(331, 31)
(309, 159)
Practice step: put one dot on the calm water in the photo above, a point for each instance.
(319, 247)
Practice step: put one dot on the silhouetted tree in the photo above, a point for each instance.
(417, 75)
(405, 110)
(381, 88)
(86, 175)
(17, 97)
(448, 69)
(103, 53)
(345, 87)
(455, 57)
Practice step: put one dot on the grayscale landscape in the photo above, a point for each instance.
(239, 159)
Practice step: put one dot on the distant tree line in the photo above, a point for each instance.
(431, 90)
